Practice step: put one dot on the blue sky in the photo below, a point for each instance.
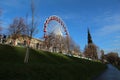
(101, 16)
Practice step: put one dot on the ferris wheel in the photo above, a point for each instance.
(54, 25)
(55, 33)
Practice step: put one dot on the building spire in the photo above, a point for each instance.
(89, 37)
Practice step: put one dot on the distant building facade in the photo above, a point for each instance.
(24, 41)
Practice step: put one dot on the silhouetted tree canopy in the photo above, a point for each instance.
(112, 57)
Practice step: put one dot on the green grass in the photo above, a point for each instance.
(45, 66)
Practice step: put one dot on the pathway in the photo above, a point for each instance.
(112, 73)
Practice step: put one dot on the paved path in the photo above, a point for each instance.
(112, 73)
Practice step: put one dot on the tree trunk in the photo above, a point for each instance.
(26, 55)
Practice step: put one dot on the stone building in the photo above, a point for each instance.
(24, 41)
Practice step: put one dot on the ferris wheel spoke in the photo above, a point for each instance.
(51, 28)
(56, 27)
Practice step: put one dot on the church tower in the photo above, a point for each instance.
(91, 48)
(89, 37)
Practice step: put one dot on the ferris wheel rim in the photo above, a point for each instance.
(58, 20)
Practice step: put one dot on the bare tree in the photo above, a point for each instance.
(102, 55)
(62, 43)
(113, 58)
(32, 29)
(53, 42)
(57, 43)
(77, 50)
(17, 28)
(91, 51)
(67, 45)
(73, 48)
(49, 40)
(1, 28)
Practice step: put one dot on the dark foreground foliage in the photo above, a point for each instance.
(118, 67)
(45, 66)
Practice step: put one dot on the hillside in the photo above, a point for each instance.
(45, 66)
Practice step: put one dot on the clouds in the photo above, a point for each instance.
(14, 7)
(110, 23)
(13, 3)
(109, 29)
(108, 17)
(112, 18)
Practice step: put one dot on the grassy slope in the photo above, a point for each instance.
(44, 66)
